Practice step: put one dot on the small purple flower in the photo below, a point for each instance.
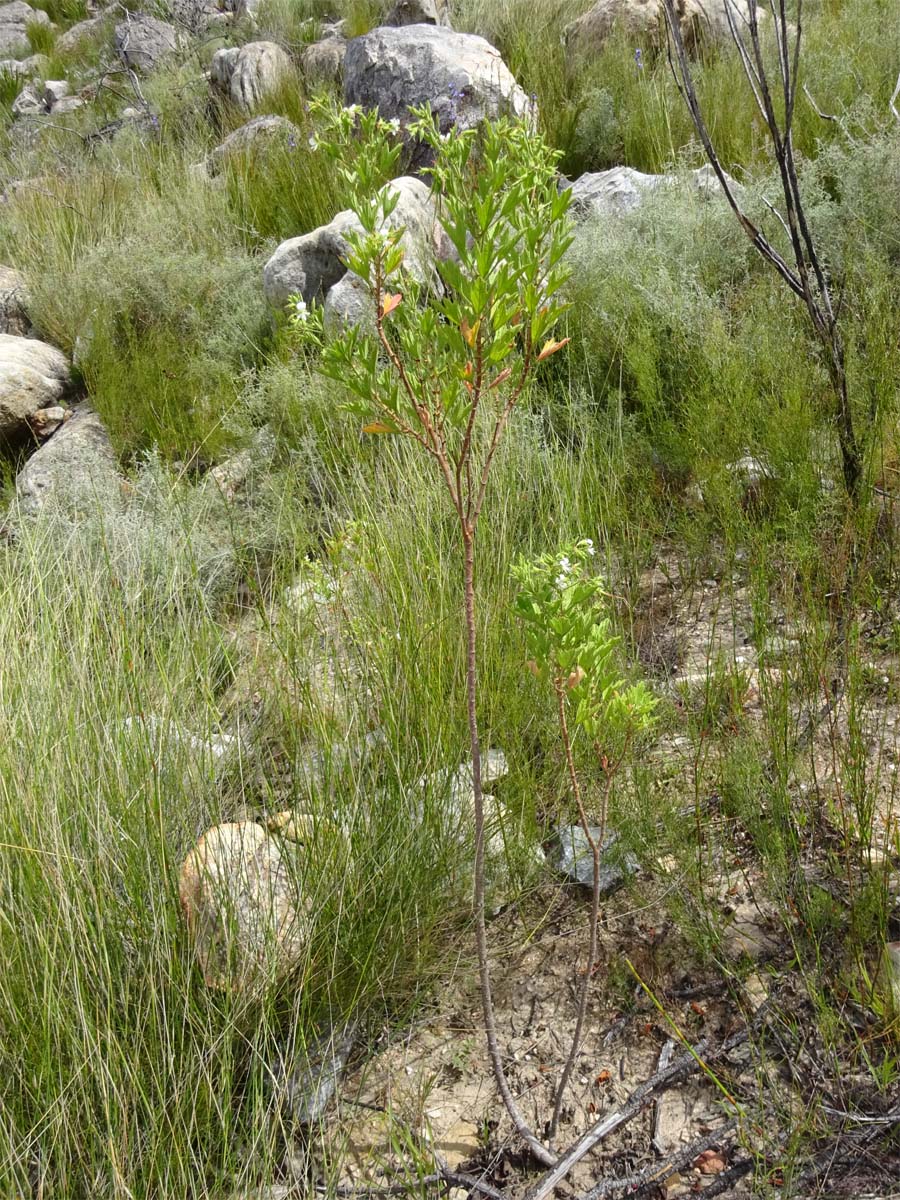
(639, 58)
(292, 142)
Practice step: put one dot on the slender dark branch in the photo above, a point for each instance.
(686, 86)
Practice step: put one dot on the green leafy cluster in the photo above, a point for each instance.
(572, 646)
(480, 325)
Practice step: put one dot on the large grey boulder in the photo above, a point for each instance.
(419, 12)
(312, 264)
(461, 75)
(143, 42)
(33, 375)
(256, 137)
(14, 21)
(13, 302)
(239, 895)
(700, 21)
(249, 73)
(73, 473)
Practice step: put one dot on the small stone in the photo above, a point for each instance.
(55, 90)
(571, 855)
(28, 103)
(46, 421)
(68, 104)
(756, 991)
(710, 1162)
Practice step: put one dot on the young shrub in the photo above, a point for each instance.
(574, 651)
(445, 365)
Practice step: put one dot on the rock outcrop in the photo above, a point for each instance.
(323, 62)
(256, 137)
(623, 189)
(419, 12)
(312, 264)
(309, 265)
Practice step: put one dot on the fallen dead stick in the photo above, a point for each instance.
(642, 1182)
(639, 1098)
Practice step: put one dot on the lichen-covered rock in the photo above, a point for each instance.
(323, 62)
(256, 137)
(13, 303)
(73, 473)
(241, 900)
(309, 265)
(143, 42)
(349, 305)
(29, 102)
(419, 12)
(572, 856)
(699, 21)
(249, 73)
(460, 75)
(14, 21)
(619, 189)
(33, 375)
(312, 264)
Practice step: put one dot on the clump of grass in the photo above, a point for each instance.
(160, 306)
(63, 12)
(41, 38)
(10, 86)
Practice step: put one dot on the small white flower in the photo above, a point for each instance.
(313, 142)
(589, 546)
(301, 312)
(564, 565)
(353, 109)
(394, 123)
(561, 582)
